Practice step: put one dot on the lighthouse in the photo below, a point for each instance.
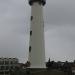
(36, 43)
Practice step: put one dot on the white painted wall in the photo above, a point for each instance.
(37, 54)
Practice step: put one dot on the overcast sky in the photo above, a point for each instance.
(59, 19)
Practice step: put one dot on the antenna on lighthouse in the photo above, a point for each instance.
(36, 44)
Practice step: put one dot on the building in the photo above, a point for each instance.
(7, 64)
(36, 45)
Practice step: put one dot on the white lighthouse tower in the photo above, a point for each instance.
(36, 46)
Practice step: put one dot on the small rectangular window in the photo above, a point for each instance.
(29, 48)
(30, 32)
(31, 18)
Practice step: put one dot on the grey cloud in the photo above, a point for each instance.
(60, 12)
(14, 29)
(60, 29)
(60, 43)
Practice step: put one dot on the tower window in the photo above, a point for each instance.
(31, 18)
(29, 48)
(30, 33)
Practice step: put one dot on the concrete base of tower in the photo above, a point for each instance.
(40, 67)
(36, 71)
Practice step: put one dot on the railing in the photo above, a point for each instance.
(40, 1)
